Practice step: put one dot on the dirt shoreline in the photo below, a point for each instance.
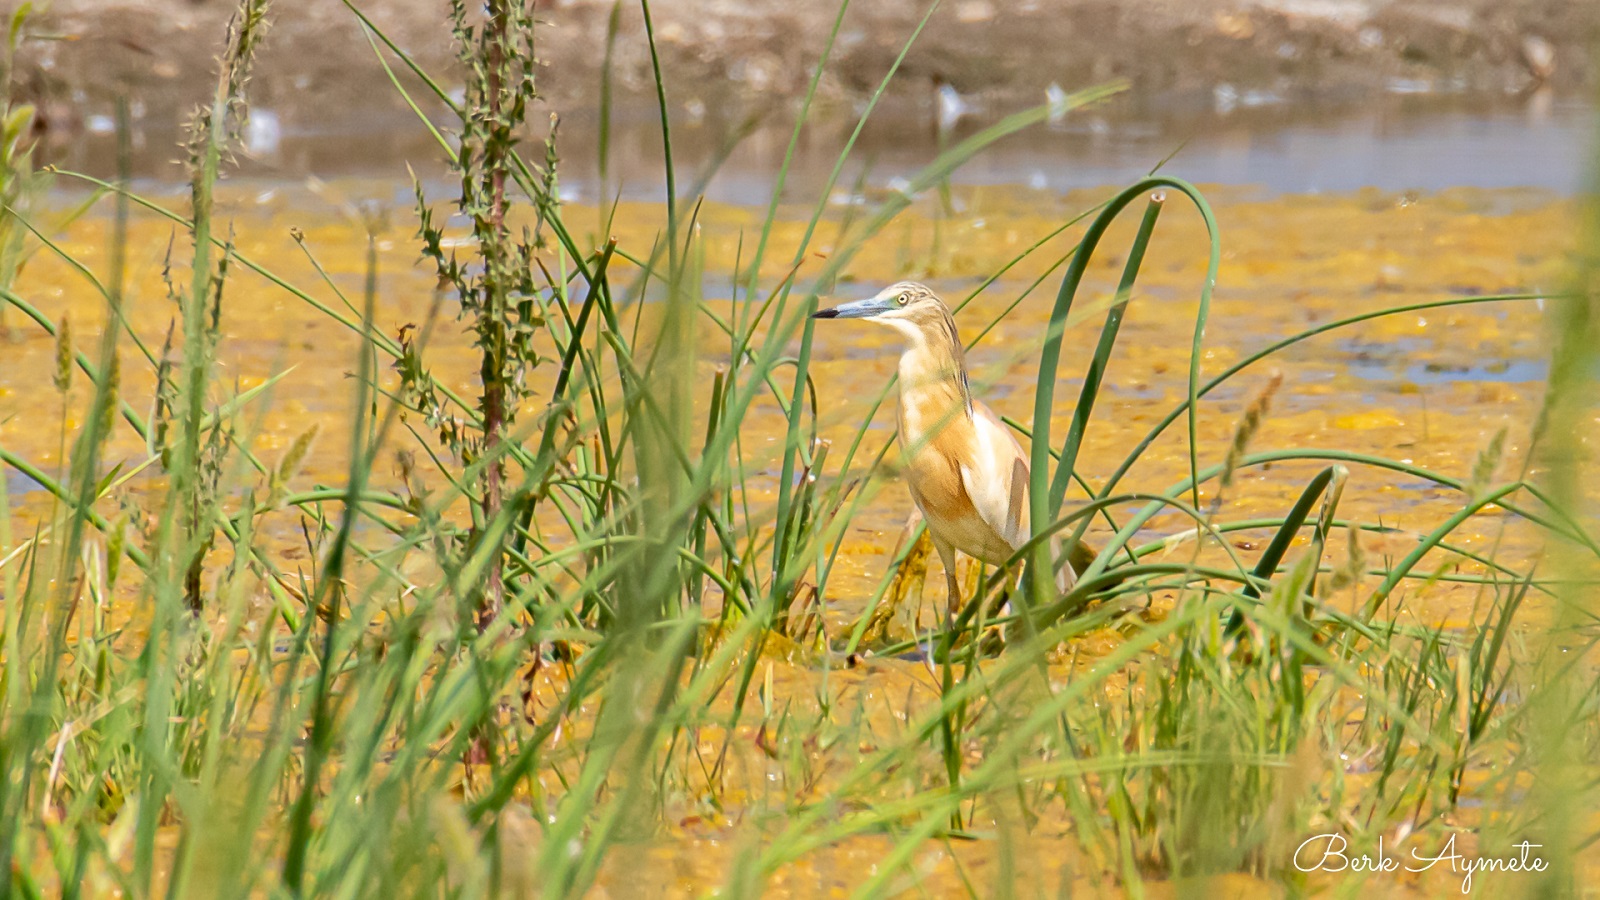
(737, 58)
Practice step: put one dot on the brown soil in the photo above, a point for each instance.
(737, 56)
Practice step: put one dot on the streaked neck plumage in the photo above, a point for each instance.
(933, 372)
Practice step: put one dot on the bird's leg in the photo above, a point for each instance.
(1000, 604)
(902, 604)
(947, 555)
(909, 530)
(1067, 573)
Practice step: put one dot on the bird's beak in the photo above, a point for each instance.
(858, 309)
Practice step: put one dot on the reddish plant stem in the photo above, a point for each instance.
(494, 349)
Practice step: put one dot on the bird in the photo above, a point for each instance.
(949, 107)
(967, 471)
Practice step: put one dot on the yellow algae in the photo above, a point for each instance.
(1429, 389)
(1364, 421)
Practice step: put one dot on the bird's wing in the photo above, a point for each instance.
(996, 477)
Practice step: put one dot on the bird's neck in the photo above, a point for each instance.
(933, 373)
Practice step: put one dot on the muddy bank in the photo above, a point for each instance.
(741, 58)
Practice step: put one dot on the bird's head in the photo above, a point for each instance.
(910, 308)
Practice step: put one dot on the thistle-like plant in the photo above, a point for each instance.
(495, 290)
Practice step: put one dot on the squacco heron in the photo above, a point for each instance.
(967, 472)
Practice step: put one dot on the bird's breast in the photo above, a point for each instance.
(937, 437)
(933, 424)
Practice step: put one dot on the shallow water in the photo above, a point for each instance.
(1426, 141)
(1428, 388)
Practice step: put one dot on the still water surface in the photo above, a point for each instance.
(1398, 142)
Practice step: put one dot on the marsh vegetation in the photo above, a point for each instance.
(501, 546)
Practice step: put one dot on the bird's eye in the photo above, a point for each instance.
(903, 299)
